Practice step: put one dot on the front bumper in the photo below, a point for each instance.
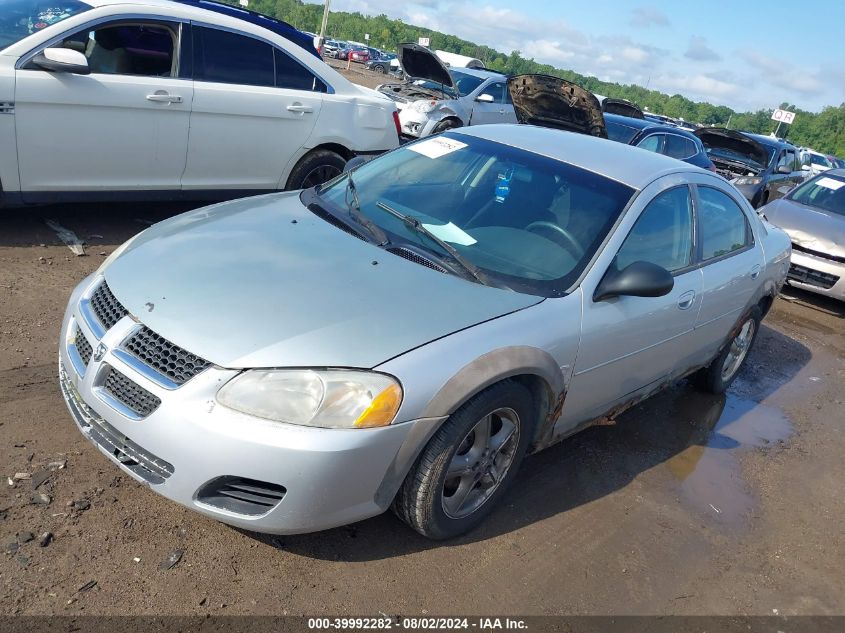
(817, 274)
(329, 477)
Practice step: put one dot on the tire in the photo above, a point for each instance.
(763, 200)
(446, 124)
(379, 69)
(315, 168)
(723, 370)
(433, 502)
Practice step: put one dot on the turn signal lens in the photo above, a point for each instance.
(382, 409)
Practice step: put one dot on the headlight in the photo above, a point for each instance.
(423, 107)
(333, 399)
(747, 180)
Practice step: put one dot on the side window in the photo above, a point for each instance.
(662, 234)
(679, 147)
(722, 223)
(230, 58)
(291, 74)
(651, 143)
(495, 90)
(145, 49)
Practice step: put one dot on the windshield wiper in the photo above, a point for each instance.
(354, 207)
(417, 226)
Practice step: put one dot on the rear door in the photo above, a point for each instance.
(122, 127)
(254, 107)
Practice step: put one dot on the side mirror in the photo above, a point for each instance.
(784, 169)
(62, 60)
(354, 163)
(485, 98)
(640, 279)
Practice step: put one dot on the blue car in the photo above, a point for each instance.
(655, 137)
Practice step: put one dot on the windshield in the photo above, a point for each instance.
(527, 222)
(823, 192)
(20, 18)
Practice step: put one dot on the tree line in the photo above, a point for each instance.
(823, 131)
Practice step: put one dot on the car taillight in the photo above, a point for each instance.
(397, 123)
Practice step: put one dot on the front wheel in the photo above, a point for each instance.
(469, 463)
(719, 374)
(447, 124)
(379, 69)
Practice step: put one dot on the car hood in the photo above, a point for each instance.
(721, 138)
(263, 282)
(622, 107)
(810, 227)
(418, 62)
(556, 103)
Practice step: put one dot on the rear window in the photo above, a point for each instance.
(229, 58)
(20, 18)
(620, 133)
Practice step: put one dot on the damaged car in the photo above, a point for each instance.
(813, 215)
(436, 98)
(402, 336)
(761, 167)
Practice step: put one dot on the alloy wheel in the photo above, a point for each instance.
(738, 349)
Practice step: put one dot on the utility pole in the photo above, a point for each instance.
(325, 22)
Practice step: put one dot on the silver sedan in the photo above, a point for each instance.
(405, 334)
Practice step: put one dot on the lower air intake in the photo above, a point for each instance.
(241, 495)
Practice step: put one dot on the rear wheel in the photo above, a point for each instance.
(468, 464)
(720, 373)
(316, 168)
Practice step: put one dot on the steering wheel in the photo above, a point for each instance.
(569, 242)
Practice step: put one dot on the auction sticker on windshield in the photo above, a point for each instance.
(437, 147)
(829, 183)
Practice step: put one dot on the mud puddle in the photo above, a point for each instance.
(708, 470)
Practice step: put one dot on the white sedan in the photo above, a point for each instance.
(106, 99)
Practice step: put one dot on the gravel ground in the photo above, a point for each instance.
(689, 504)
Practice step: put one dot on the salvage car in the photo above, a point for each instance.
(761, 167)
(663, 139)
(403, 335)
(813, 215)
(170, 100)
(556, 103)
(435, 99)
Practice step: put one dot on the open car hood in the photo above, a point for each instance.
(721, 138)
(622, 107)
(556, 103)
(418, 62)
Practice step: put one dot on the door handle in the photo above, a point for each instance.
(296, 107)
(163, 97)
(755, 271)
(686, 300)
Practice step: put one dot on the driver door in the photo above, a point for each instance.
(493, 111)
(122, 127)
(632, 344)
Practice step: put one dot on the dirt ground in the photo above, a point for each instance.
(689, 504)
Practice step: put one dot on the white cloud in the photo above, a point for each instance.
(700, 52)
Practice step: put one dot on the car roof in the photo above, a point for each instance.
(629, 165)
(640, 124)
(477, 72)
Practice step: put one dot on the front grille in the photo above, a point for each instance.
(136, 398)
(811, 277)
(241, 495)
(107, 308)
(165, 357)
(130, 455)
(83, 347)
(416, 258)
(802, 249)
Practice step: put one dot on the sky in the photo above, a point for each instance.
(746, 55)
